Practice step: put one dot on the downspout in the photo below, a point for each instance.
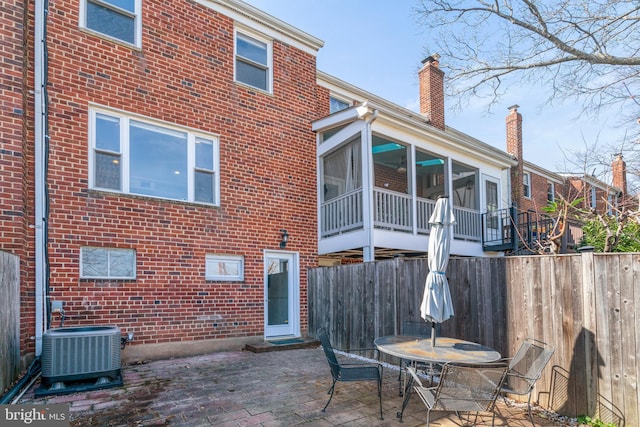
(41, 154)
(368, 252)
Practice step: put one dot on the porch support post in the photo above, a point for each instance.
(368, 248)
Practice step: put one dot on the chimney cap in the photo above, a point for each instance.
(431, 58)
(514, 107)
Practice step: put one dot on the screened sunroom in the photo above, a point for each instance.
(380, 173)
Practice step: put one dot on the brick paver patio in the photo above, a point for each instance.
(241, 388)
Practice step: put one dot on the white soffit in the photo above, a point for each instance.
(268, 25)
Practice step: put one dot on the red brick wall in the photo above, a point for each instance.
(12, 130)
(514, 147)
(15, 188)
(577, 188)
(539, 196)
(431, 79)
(184, 75)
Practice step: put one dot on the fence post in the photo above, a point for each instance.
(514, 228)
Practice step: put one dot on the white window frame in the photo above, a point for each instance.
(526, 185)
(337, 99)
(137, 16)
(110, 252)
(269, 65)
(235, 261)
(125, 120)
(551, 192)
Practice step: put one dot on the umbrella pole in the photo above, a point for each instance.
(433, 334)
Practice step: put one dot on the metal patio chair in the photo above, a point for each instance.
(347, 372)
(525, 369)
(463, 388)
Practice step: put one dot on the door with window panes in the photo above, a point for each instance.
(281, 294)
(493, 225)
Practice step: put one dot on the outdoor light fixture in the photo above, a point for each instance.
(402, 166)
(285, 239)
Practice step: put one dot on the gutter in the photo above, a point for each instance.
(41, 159)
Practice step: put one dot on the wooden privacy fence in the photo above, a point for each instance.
(9, 320)
(586, 305)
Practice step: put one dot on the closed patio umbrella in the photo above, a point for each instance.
(436, 304)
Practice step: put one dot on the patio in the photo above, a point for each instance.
(241, 388)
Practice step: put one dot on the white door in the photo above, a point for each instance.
(281, 294)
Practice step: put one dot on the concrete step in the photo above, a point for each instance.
(282, 344)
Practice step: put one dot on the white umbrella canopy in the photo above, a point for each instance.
(436, 304)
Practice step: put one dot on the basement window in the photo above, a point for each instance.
(107, 263)
(115, 19)
(224, 267)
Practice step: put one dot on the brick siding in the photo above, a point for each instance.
(183, 74)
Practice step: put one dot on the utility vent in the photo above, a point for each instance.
(80, 358)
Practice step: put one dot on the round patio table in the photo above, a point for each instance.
(421, 350)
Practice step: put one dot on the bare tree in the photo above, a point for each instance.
(587, 50)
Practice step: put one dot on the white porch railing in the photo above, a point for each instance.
(468, 224)
(425, 209)
(392, 210)
(341, 214)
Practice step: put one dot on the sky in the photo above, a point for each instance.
(378, 46)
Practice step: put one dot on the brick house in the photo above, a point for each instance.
(174, 169)
(177, 149)
(534, 187)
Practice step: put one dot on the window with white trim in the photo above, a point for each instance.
(116, 19)
(107, 263)
(551, 192)
(224, 267)
(526, 184)
(336, 105)
(136, 155)
(253, 61)
(594, 198)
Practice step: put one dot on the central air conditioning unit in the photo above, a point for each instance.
(80, 358)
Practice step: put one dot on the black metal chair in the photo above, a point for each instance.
(525, 369)
(346, 372)
(463, 388)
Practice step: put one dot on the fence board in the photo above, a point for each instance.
(9, 319)
(628, 333)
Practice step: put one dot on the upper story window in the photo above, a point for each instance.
(551, 196)
(336, 105)
(116, 19)
(137, 156)
(526, 183)
(253, 61)
(594, 198)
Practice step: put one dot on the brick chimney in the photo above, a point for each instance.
(619, 172)
(514, 147)
(431, 79)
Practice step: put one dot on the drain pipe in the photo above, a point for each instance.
(16, 392)
(41, 154)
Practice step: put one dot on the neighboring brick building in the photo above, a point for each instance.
(179, 148)
(534, 187)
